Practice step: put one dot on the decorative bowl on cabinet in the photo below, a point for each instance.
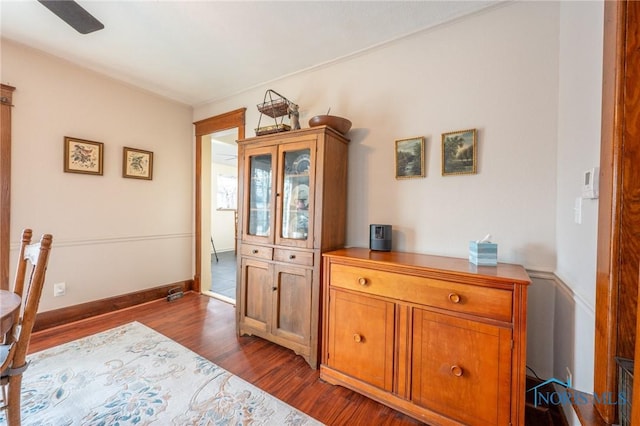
(340, 124)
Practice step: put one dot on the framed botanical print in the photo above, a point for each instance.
(459, 152)
(137, 163)
(83, 156)
(410, 158)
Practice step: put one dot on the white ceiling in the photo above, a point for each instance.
(224, 149)
(200, 51)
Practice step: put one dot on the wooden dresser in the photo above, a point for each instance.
(437, 338)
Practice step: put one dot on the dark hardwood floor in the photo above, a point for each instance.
(207, 327)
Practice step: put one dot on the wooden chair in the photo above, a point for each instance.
(13, 351)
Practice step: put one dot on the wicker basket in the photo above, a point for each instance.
(274, 108)
(276, 128)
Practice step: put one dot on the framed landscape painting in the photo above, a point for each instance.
(137, 163)
(410, 158)
(83, 156)
(459, 152)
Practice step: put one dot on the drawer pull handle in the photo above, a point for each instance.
(254, 251)
(292, 256)
(362, 281)
(454, 298)
(357, 338)
(456, 371)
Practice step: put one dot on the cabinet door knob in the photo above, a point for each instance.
(274, 288)
(357, 338)
(456, 371)
(362, 281)
(454, 298)
(292, 256)
(254, 251)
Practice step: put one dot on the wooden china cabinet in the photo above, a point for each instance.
(437, 338)
(292, 196)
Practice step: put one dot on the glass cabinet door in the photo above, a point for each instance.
(297, 196)
(260, 187)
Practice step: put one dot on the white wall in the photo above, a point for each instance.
(111, 235)
(579, 120)
(562, 306)
(222, 221)
(527, 75)
(495, 71)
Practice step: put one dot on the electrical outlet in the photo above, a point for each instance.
(569, 378)
(59, 289)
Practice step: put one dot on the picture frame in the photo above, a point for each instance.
(137, 163)
(410, 158)
(83, 156)
(459, 152)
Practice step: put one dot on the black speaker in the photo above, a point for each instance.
(380, 237)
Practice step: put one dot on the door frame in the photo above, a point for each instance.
(230, 120)
(6, 103)
(617, 263)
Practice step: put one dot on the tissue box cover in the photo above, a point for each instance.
(484, 254)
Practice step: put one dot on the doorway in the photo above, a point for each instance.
(224, 203)
(204, 239)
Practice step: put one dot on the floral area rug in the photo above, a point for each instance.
(132, 375)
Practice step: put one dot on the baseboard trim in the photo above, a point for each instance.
(57, 317)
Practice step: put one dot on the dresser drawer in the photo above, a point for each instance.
(466, 298)
(293, 256)
(256, 251)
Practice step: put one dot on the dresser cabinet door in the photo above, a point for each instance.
(292, 303)
(461, 368)
(256, 282)
(361, 337)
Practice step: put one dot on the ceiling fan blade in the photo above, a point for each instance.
(73, 14)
